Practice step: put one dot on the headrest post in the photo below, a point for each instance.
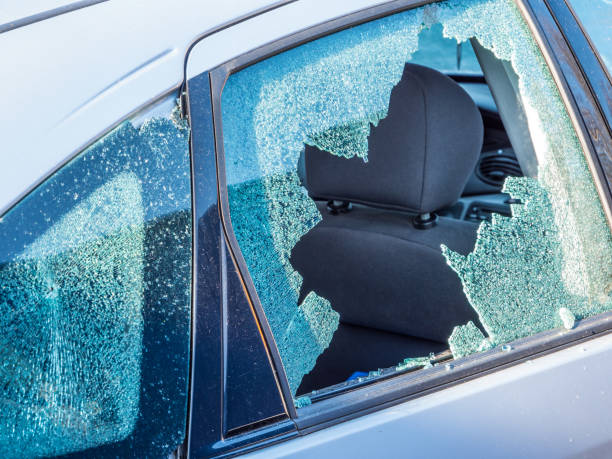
(335, 207)
(425, 221)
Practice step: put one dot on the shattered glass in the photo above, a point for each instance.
(412, 362)
(445, 54)
(329, 93)
(301, 333)
(514, 277)
(94, 300)
(302, 401)
(562, 246)
(467, 339)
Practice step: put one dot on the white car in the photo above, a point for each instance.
(306, 229)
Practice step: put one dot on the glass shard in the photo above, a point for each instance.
(567, 317)
(302, 401)
(514, 276)
(412, 362)
(467, 339)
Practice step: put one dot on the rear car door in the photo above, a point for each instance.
(254, 126)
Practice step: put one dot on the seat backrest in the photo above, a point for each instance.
(374, 266)
(420, 156)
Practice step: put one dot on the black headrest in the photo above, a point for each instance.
(420, 156)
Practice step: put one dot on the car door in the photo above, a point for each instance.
(536, 384)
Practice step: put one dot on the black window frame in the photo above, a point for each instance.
(214, 301)
(590, 125)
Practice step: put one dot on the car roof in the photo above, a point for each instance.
(14, 13)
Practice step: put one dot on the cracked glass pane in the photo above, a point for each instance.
(319, 94)
(94, 300)
(326, 261)
(562, 244)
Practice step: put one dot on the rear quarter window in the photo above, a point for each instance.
(95, 285)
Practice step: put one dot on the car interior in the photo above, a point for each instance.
(435, 170)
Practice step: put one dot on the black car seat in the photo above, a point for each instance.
(378, 260)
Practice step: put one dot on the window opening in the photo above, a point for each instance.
(470, 222)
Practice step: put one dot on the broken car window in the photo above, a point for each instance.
(387, 210)
(95, 269)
